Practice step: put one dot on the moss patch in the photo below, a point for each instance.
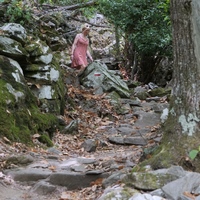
(148, 181)
(45, 140)
(173, 150)
(20, 120)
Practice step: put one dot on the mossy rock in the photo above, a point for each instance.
(45, 140)
(20, 116)
(160, 92)
(148, 180)
(143, 95)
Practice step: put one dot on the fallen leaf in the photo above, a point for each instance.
(8, 111)
(120, 167)
(188, 194)
(6, 140)
(94, 188)
(65, 196)
(36, 136)
(97, 182)
(52, 168)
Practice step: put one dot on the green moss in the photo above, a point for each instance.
(33, 68)
(20, 120)
(128, 192)
(173, 150)
(143, 95)
(35, 47)
(11, 129)
(148, 180)
(20, 133)
(60, 86)
(45, 140)
(125, 193)
(160, 92)
(20, 125)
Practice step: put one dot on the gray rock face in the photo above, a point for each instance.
(12, 48)
(72, 180)
(89, 145)
(176, 184)
(36, 63)
(98, 76)
(43, 188)
(15, 31)
(28, 175)
(189, 183)
(71, 174)
(29, 81)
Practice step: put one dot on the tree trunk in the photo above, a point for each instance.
(148, 66)
(117, 42)
(181, 130)
(129, 58)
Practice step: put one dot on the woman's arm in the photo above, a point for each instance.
(89, 55)
(74, 45)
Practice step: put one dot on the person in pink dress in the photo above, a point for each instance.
(80, 52)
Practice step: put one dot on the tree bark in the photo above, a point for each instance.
(148, 67)
(181, 130)
(117, 41)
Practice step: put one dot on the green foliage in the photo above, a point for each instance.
(88, 12)
(145, 22)
(193, 153)
(18, 13)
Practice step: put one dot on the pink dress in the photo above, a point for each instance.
(80, 53)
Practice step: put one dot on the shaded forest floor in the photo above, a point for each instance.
(92, 124)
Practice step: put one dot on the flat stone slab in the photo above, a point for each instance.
(128, 140)
(73, 180)
(70, 173)
(147, 119)
(135, 141)
(190, 182)
(29, 175)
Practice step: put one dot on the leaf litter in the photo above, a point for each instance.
(93, 122)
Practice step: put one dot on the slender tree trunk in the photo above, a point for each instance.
(147, 68)
(134, 69)
(181, 130)
(128, 55)
(117, 41)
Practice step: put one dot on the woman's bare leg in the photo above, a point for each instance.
(80, 71)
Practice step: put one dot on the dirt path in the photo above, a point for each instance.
(92, 126)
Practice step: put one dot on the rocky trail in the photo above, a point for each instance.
(101, 142)
(102, 146)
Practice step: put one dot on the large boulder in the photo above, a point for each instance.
(15, 31)
(40, 68)
(98, 77)
(32, 86)
(19, 113)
